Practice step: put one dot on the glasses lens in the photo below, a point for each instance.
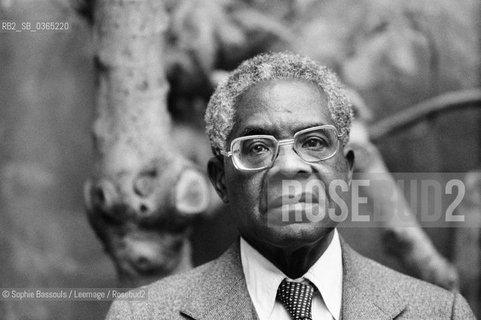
(317, 144)
(254, 153)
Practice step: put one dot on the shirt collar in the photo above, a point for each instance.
(263, 278)
(326, 275)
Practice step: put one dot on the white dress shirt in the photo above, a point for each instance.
(263, 279)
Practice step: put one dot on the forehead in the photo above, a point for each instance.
(280, 108)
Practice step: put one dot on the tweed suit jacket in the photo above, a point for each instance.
(217, 290)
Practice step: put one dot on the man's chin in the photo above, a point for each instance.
(298, 234)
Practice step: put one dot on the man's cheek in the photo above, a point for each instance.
(243, 189)
(252, 193)
(341, 166)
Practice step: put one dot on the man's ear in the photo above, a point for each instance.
(349, 155)
(215, 169)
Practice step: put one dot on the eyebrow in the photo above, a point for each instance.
(250, 131)
(254, 130)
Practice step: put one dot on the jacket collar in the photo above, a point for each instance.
(222, 292)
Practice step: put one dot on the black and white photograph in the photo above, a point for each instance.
(240, 159)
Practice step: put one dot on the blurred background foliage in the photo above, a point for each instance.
(394, 53)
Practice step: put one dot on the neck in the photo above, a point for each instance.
(294, 261)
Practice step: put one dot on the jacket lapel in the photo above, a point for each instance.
(222, 292)
(365, 294)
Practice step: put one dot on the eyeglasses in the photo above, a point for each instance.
(259, 152)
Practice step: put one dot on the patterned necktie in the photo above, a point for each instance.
(296, 297)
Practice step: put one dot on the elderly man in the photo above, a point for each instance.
(279, 126)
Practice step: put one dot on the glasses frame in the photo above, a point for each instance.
(279, 143)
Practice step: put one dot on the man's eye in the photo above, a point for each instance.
(258, 148)
(314, 143)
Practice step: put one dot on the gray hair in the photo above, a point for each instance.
(220, 113)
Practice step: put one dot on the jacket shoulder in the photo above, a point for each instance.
(405, 285)
(163, 297)
(422, 299)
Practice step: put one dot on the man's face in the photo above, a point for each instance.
(281, 108)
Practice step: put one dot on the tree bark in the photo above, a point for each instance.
(144, 196)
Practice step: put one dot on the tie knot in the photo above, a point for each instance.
(296, 298)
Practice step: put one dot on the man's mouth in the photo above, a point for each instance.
(306, 197)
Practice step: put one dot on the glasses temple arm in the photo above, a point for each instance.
(225, 153)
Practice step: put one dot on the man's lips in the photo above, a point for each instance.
(305, 197)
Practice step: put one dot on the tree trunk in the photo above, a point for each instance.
(144, 196)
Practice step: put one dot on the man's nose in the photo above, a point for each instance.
(289, 164)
